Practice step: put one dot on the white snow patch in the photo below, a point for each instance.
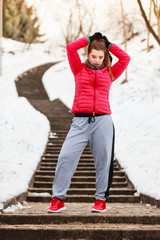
(43, 194)
(13, 208)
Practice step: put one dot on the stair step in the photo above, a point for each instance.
(83, 168)
(80, 166)
(59, 131)
(58, 146)
(50, 171)
(79, 231)
(50, 151)
(55, 155)
(87, 218)
(86, 198)
(56, 140)
(57, 127)
(54, 132)
(77, 173)
(52, 164)
(51, 156)
(51, 146)
(78, 184)
(60, 121)
(79, 178)
(82, 160)
(86, 191)
(54, 144)
(85, 157)
(57, 136)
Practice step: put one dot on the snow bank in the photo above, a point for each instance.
(24, 133)
(23, 130)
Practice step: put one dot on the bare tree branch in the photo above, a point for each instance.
(75, 23)
(147, 22)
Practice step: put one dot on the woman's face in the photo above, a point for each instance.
(96, 57)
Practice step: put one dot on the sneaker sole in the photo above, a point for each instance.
(59, 210)
(96, 210)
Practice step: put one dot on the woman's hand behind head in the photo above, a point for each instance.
(97, 35)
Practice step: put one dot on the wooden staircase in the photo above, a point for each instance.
(125, 218)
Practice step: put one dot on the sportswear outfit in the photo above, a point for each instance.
(91, 123)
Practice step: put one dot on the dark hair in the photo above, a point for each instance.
(99, 44)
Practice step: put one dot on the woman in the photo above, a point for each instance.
(92, 121)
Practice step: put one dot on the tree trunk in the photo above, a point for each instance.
(125, 37)
(158, 17)
(1, 33)
(3, 18)
(148, 48)
(147, 23)
(157, 14)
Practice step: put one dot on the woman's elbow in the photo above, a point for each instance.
(128, 58)
(68, 46)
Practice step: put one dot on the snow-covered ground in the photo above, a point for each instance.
(23, 130)
(135, 111)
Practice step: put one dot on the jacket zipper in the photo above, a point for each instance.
(94, 95)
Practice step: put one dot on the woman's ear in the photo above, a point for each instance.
(87, 54)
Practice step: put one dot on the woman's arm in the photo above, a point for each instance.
(73, 56)
(118, 68)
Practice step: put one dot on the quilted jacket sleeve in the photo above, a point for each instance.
(118, 68)
(73, 56)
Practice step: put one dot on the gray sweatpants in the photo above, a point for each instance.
(100, 135)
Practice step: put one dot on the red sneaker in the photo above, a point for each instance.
(99, 206)
(56, 205)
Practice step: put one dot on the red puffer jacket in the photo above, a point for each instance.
(92, 86)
